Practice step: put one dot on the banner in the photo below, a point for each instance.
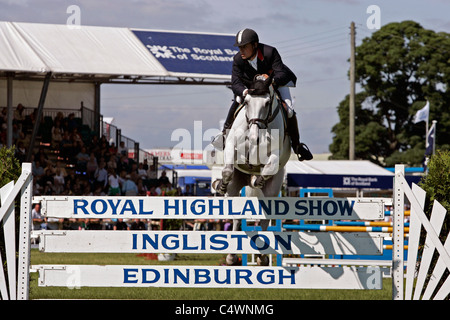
(239, 242)
(211, 208)
(190, 52)
(76, 276)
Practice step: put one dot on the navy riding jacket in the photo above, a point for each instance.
(268, 62)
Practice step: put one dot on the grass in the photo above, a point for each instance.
(37, 292)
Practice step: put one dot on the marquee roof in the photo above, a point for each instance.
(108, 54)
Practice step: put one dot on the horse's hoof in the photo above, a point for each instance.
(257, 182)
(220, 187)
(262, 260)
(232, 260)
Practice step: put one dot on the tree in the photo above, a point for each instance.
(399, 68)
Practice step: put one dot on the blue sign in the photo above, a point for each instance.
(190, 52)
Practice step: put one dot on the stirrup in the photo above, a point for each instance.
(303, 152)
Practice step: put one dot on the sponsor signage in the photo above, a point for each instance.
(253, 242)
(340, 181)
(212, 207)
(190, 52)
(76, 276)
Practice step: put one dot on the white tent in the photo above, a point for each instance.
(81, 58)
(107, 52)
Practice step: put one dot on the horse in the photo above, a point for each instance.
(256, 150)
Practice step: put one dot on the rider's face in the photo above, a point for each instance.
(247, 51)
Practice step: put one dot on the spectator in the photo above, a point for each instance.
(122, 150)
(47, 182)
(66, 147)
(91, 166)
(129, 187)
(82, 159)
(163, 178)
(137, 224)
(37, 170)
(38, 221)
(112, 163)
(113, 181)
(19, 116)
(57, 134)
(123, 164)
(101, 176)
(142, 173)
(121, 225)
(141, 188)
(58, 181)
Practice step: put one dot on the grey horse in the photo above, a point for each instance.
(256, 150)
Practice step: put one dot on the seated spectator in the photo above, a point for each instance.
(122, 150)
(101, 176)
(76, 136)
(20, 152)
(19, 116)
(82, 159)
(113, 182)
(58, 181)
(123, 164)
(37, 170)
(66, 145)
(57, 134)
(137, 224)
(38, 221)
(129, 187)
(91, 166)
(112, 163)
(46, 182)
(142, 173)
(163, 178)
(121, 225)
(141, 188)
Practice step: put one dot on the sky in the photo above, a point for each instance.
(312, 36)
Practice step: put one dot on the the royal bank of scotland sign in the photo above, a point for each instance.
(190, 52)
(212, 207)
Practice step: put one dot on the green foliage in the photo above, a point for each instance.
(437, 181)
(9, 166)
(399, 68)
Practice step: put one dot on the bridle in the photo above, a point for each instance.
(263, 123)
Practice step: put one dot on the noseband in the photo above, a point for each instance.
(263, 123)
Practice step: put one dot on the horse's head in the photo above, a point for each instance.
(258, 103)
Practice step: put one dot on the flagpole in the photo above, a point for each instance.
(435, 134)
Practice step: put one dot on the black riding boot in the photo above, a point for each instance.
(219, 141)
(300, 149)
(230, 117)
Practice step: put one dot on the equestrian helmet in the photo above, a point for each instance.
(246, 36)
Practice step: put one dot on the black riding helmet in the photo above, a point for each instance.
(246, 36)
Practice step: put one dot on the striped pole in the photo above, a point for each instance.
(339, 228)
(366, 223)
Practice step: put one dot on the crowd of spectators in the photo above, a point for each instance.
(88, 167)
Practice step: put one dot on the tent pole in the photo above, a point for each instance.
(10, 114)
(39, 115)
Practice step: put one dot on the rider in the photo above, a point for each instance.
(256, 58)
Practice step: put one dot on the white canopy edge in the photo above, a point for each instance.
(80, 50)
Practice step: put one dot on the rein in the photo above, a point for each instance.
(270, 116)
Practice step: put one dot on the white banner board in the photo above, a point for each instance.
(76, 276)
(348, 243)
(212, 208)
